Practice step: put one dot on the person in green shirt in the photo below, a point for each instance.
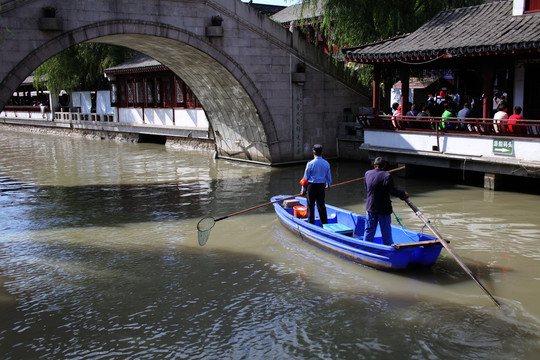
(443, 125)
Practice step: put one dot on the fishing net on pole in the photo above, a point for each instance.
(203, 227)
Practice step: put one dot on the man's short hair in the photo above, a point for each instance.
(379, 162)
(317, 149)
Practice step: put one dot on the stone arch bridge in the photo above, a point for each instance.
(245, 72)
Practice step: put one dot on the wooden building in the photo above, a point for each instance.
(145, 91)
(490, 47)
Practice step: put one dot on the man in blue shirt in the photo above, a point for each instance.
(379, 187)
(318, 178)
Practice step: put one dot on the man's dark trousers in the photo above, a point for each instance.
(315, 194)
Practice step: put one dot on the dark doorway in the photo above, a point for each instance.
(153, 139)
(531, 105)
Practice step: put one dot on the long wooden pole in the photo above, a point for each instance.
(207, 223)
(444, 243)
(292, 196)
(256, 207)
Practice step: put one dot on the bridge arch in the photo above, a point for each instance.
(262, 108)
(238, 114)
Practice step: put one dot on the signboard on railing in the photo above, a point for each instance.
(503, 147)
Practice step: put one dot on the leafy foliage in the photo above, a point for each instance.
(355, 22)
(349, 23)
(79, 67)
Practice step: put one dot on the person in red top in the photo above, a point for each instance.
(513, 120)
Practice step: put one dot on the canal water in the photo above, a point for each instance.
(99, 259)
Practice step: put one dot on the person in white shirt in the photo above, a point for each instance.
(500, 115)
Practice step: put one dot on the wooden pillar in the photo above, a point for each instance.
(404, 77)
(376, 89)
(487, 73)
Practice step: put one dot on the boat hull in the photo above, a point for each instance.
(352, 247)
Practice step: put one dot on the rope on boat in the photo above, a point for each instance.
(398, 220)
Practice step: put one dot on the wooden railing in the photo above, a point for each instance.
(25, 108)
(479, 126)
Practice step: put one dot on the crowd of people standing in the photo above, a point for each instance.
(453, 114)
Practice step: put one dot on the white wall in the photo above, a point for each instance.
(480, 146)
(395, 96)
(25, 115)
(130, 116)
(191, 118)
(183, 118)
(519, 7)
(159, 117)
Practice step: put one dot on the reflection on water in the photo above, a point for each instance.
(99, 259)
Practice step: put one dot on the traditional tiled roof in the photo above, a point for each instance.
(488, 29)
(266, 9)
(295, 13)
(138, 63)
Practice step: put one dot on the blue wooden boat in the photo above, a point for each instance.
(344, 236)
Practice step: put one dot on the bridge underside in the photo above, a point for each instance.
(232, 114)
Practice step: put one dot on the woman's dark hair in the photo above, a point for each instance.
(502, 105)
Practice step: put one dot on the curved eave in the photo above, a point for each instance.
(422, 56)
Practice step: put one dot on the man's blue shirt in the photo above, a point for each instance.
(318, 172)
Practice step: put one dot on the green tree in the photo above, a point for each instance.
(356, 22)
(79, 67)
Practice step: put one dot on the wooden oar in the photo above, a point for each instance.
(207, 223)
(444, 243)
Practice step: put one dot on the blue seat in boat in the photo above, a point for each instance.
(339, 228)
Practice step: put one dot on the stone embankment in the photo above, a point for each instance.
(169, 141)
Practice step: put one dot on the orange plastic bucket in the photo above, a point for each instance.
(300, 212)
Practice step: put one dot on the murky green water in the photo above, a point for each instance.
(99, 260)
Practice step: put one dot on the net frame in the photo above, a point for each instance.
(204, 226)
